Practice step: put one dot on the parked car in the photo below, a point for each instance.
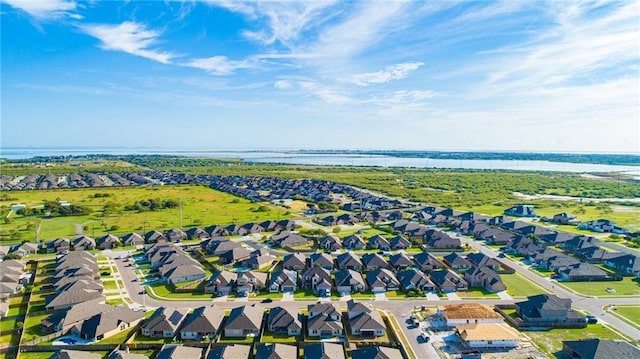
(267, 300)
(591, 319)
(425, 337)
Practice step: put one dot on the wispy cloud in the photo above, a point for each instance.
(394, 72)
(218, 65)
(46, 9)
(129, 37)
(281, 22)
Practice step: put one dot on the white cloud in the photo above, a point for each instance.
(394, 72)
(45, 9)
(283, 21)
(282, 84)
(217, 65)
(129, 37)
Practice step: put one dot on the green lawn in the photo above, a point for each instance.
(120, 337)
(35, 355)
(305, 294)
(268, 337)
(396, 294)
(551, 341)
(628, 313)
(475, 293)
(364, 295)
(109, 284)
(32, 327)
(626, 287)
(163, 291)
(519, 286)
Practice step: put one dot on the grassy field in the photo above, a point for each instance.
(551, 341)
(625, 287)
(629, 313)
(201, 206)
(519, 286)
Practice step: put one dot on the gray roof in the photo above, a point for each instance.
(602, 349)
(245, 317)
(230, 351)
(203, 320)
(534, 304)
(107, 321)
(164, 319)
(324, 351)
(276, 351)
(376, 353)
(348, 277)
(368, 321)
(282, 318)
(179, 352)
(75, 354)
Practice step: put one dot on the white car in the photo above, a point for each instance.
(425, 337)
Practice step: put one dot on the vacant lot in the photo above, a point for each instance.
(201, 206)
(551, 341)
(519, 286)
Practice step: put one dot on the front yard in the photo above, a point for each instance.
(628, 313)
(627, 286)
(519, 286)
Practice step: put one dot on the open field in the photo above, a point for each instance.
(201, 206)
(629, 313)
(627, 286)
(550, 341)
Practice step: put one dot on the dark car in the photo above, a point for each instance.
(591, 319)
(267, 300)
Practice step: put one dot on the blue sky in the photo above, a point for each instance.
(434, 75)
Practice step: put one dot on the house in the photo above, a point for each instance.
(108, 323)
(173, 351)
(484, 277)
(521, 210)
(289, 240)
(249, 228)
(348, 260)
(487, 335)
(282, 321)
(602, 226)
(594, 348)
(330, 242)
(548, 310)
(363, 321)
(324, 320)
(582, 272)
(234, 255)
(322, 260)
(69, 298)
(184, 270)
(283, 281)
(382, 280)
(122, 354)
(556, 237)
(624, 263)
(447, 281)
(163, 323)
(259, 262)
(244, 321)
(319, 280)
(132, 239)
(221, 283)
(400, 261)
(378, 242)
(83, 243)
(354, 241)
(250, 281)
(59, 245)
(376, 352)
(468, 313)
(483, 260)
(373, 261)
(107, 242)
(229, 351)
(196, 233)
(216, 231)
(25, 249)
(399, 242)
(154, 237)
(294, 261)
(349, 281)
(440, 240)
(426, 261)
(63, 321)
(457, 262)
(74, 354)
(276, 351)
(221, 245)
(564, 218)
(203, 322)
(324, 350)
(414, 279)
